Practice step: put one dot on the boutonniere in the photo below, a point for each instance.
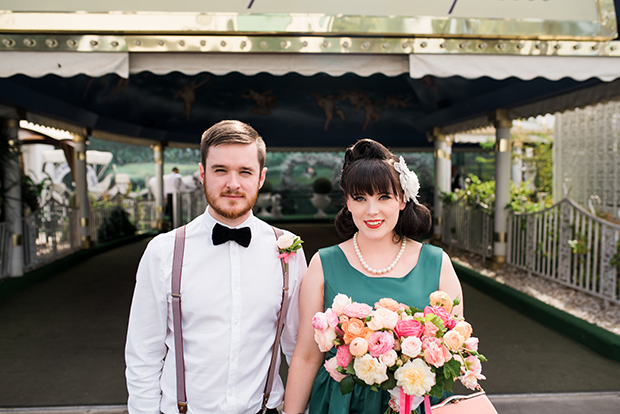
(287, 247)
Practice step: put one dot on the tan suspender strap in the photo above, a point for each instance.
(279, 326)
(177, 266)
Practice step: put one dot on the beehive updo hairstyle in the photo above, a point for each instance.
(369, 169)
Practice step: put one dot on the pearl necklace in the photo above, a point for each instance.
(375, 271)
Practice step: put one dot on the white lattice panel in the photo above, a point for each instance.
(586, 151)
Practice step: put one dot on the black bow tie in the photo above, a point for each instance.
(222, 234)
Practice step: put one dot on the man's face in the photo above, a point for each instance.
(231, 178)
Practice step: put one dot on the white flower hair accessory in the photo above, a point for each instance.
(408, 180)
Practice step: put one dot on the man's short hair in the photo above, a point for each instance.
(232, 132)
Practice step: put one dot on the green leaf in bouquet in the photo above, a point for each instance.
(346, 385)
(341, 370)
(389, 383)
(482, 358)
(447, 385)
(359, 381)
(413, 310)
(374, 387)
(437, 389)
(451, 369)
(350, 369)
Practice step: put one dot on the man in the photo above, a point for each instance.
(173, 184)
(231, 294)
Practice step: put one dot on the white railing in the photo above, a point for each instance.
(467, 227)
(5, 250)
(48, 234)
(567, 244)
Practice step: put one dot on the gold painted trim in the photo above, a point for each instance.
(500, 237)
(159, 209)
(302, 44)
(309, 24)
(83, 222)
(503, 145)
(498, 259)
(440, 154)
(437, 221)
(11, 123)
(17, 240)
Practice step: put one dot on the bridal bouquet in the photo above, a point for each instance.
(407, 351)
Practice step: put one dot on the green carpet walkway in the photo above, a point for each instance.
(62, 339)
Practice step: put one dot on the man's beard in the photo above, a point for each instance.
(219, 203)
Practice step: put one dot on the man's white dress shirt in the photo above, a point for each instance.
(230, 298)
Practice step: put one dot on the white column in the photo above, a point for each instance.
(517, 165)
(81, 191)
(503, 166)
(158, 151)
(13, 193)
(443, 171)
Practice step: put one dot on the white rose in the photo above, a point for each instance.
(370, 370)
(285, 241)
(340, 301)
(325, 339)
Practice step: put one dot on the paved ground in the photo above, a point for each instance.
(62, 345)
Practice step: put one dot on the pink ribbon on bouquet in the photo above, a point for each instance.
(405, 402)
(286, 256)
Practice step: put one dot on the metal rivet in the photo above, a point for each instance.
(304, 44)
(595, 47)
(345, 44)
(366, 45)
(557, 47)
(94, 43)
(385, 45)
(72, 43)
(423, 44)
(577, 46)
(520, 46)
(160, 43)
(51, 42)
(30, 42)
(202, 43)
(463, 45)
(263, 44)
(8, 42)
(537, 45)
(501, 46)
(482, 46)
(138, 43)
(243, 44)
(613, 48)
(182, 43)
(223, 43)
(114, 44)
(325, 43)
(405, 45)
(284, 44)
(443, 45)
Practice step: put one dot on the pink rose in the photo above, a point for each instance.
(380, 342)
(389, 358)
(343, 356)
(411, 346)
(453, 340)
(408, 328)
(430, 329)
(325, 339)
(319, 321)
(340, 301)
(357, 310)
(447, 320)
(471, 344)
(358, 346)
(434, 352)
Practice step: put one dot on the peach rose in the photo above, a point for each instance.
(439, 298)
(358, 346)
(411, 346)
(453, 340)
(390, 304)
(354, 328)
(325, 339)
(340, 301)
(464, 329)
(389, 358)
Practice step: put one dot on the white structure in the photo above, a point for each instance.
(586, 152)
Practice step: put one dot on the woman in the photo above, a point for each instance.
(380, 259)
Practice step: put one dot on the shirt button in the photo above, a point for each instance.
(235, 321)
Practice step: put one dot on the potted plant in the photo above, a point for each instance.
(264, 199)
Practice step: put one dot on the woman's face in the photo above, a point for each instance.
(375, 215)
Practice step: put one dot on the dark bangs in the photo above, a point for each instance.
(371, 177)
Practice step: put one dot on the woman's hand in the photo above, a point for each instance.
(331, 365)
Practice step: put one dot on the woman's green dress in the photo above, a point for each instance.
(340, 277)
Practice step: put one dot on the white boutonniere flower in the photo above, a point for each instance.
(287, 246)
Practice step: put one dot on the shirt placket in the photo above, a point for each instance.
(235, 340)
